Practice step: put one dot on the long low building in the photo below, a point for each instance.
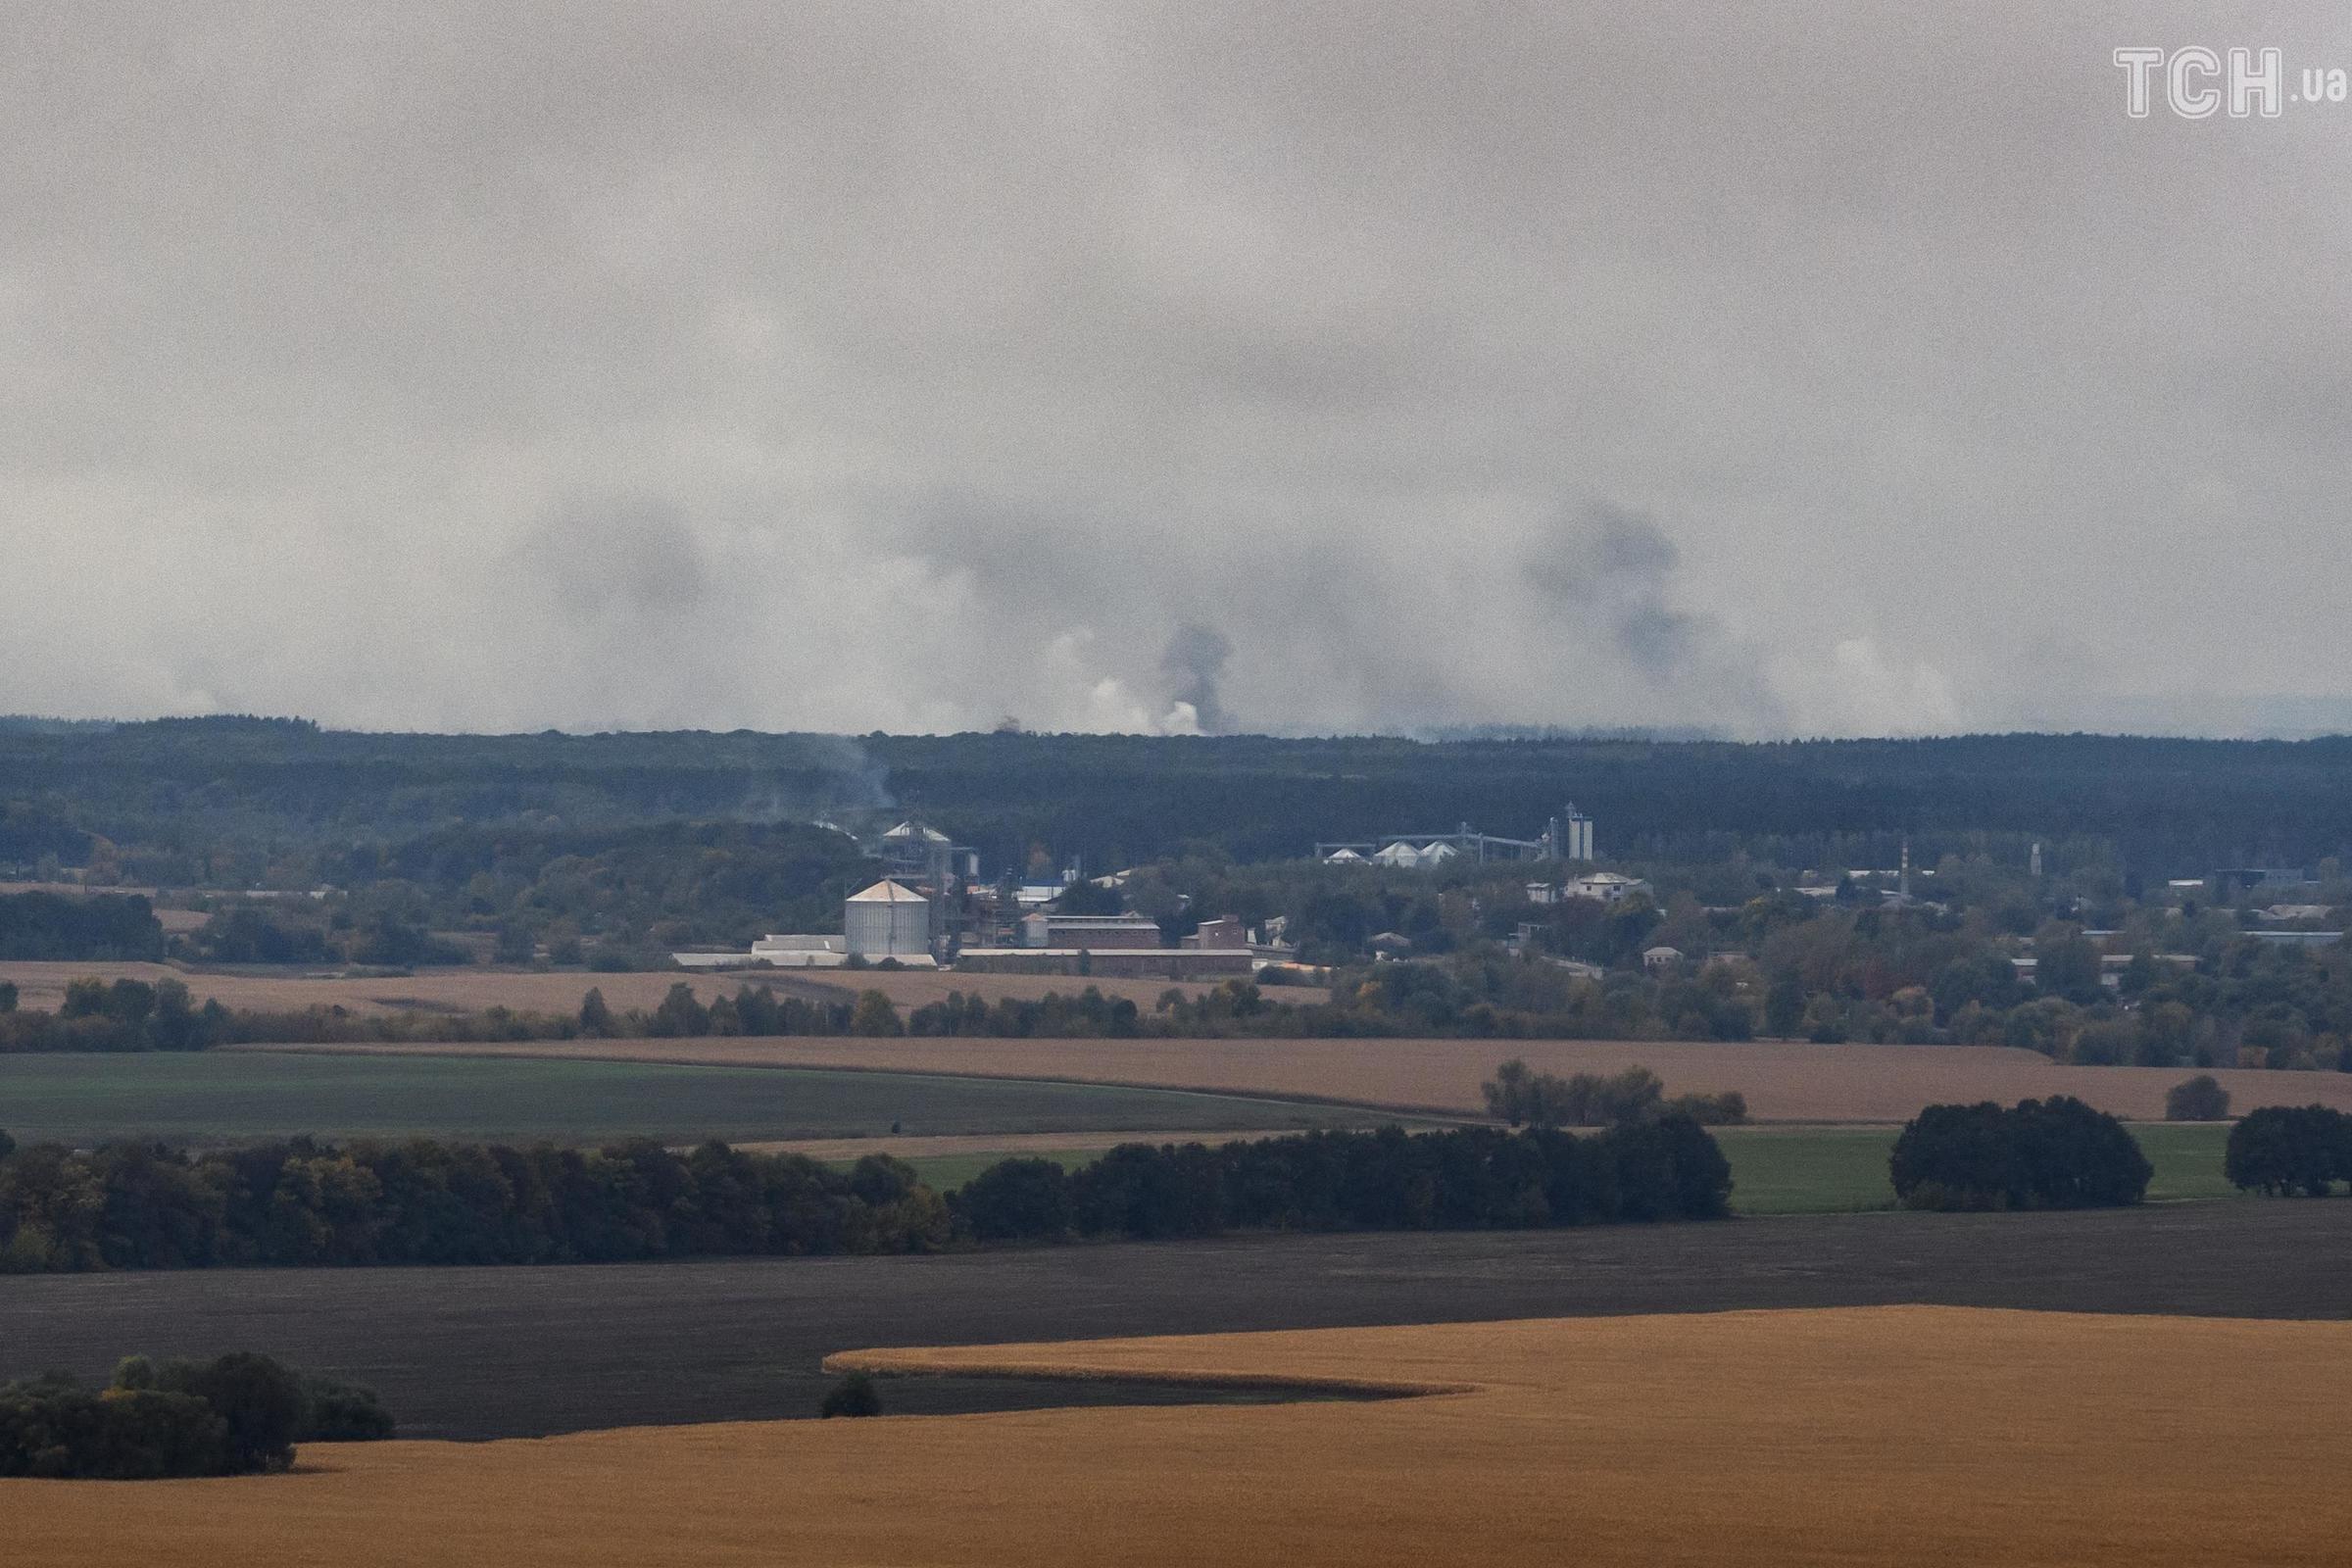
(1173, 964)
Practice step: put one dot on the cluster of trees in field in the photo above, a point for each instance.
(2290, 1150)
(122, 1016)
(303, 1203)
(2038, 1153)
(1525, 1098)
(237, 1414)
(56, 925)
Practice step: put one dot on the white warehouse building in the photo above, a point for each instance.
(887, 921)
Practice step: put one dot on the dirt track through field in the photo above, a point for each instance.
(1798, 1082)
(1904, 1435)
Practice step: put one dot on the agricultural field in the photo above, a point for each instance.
(42, 984)
(466, 1353)
(218, 1097)
(1889, 1434)
(1783, 1082)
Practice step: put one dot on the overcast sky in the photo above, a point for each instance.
(1856, 369)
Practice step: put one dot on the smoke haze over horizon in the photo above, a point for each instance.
(1171, 368)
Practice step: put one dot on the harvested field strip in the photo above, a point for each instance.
(42, 984)
(1783, 1083)
(1904, 1435)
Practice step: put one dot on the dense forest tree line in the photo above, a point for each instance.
(226, 802)
(237, 1414)
(2038, 1153)
(300, 1202)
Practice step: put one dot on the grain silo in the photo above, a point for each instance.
(887, 922)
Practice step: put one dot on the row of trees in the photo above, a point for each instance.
(1522, 1096)
(235, 1415)
(2038, 1153)
(1665, 1168)
(300, 1203)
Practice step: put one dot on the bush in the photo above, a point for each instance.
(2289, 1149)
(238, 1414)
(2198, 1099)
(335, 1412)
(53, 1429)
(853, 1396)
(1727, 1109)
(2041, 1153)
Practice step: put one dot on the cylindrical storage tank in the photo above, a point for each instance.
(887, 922)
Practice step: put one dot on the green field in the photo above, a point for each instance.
(210, 1098)
(1804, 1171)
(1813, 1170)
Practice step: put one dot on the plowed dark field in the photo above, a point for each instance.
(508, 1351)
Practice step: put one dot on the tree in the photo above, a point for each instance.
(2287, 1150)
(853, 1396)
(261, 1402)
(681, 1015)
(2067, 964)
(596, 1018)
(2198, 1099)
(874, 1015)
(2047, 1153)
(1785, 1006)
(8, 996)
(1014, 1199)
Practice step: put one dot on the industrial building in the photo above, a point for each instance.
(1566, 837)
(1168, 964)
(921, 855)
(1091, 931)
(888, 920)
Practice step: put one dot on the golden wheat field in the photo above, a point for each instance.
(42, 984)
(1888, 1435)
(1783, 1082)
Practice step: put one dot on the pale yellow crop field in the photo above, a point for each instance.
(1871, 1435)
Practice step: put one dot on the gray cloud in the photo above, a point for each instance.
(840, 367)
